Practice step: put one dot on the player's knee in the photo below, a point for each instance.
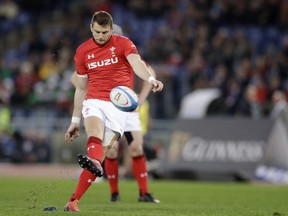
(112, 153)
(95, 133)
(136, 149)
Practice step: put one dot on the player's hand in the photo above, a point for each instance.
(73, 132)
(157, 85)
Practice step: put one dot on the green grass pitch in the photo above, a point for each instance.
(29, 197)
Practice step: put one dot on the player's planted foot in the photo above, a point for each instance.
(115, 197)
(72, 206)
(147, 197)
(93, 166)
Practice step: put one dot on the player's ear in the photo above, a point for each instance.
(91, 29)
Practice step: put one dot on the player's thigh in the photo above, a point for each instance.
(94, 126)
(137, 138)
(135, 147)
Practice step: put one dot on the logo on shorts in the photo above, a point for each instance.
(87, 111)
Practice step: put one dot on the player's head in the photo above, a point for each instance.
(117, 29)
(101, 27)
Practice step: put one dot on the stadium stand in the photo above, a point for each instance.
(227, 45)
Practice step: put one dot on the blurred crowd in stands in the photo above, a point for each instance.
(237, 47)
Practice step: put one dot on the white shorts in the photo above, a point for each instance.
(113, 118)
(132, 122)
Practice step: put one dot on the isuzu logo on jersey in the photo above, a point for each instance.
(103, 63)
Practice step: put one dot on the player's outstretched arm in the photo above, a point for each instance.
(143, 72)
(80, 84)
(146, 88)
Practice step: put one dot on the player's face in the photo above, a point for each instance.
(101, 34)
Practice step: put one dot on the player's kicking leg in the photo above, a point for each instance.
(91, 167)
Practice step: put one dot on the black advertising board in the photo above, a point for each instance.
(215, 148)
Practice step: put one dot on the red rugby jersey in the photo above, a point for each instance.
(105, 66)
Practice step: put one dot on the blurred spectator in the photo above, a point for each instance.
(32, 147)
(104, 5)
(229, 44)
(48, 66)
(8, 9)
(279, 106)
(7, 144)
(16, 147)
(24, 82)
(234, 54)
(5, 118)
(250, 106)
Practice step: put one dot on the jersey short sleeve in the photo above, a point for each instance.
(79, 59)
(128, 47)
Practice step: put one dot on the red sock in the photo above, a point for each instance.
(95, 151)
(140, 173)
(85, 180)
(94, 148)
(111, 171)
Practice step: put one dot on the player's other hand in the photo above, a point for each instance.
(157, 85)
(73, 132)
